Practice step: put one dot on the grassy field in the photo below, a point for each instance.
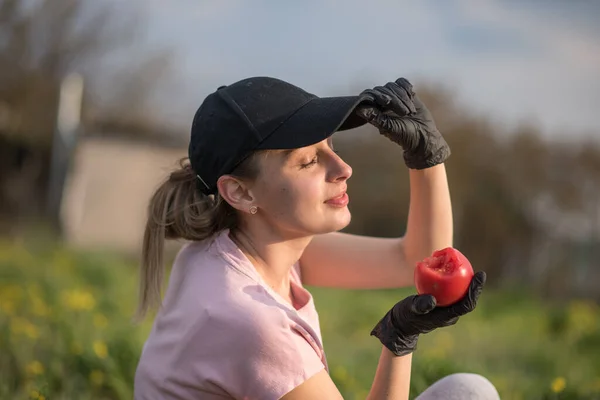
(66, 333)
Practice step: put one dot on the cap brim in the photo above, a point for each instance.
(316, 121)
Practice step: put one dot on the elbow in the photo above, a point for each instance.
(416, 252)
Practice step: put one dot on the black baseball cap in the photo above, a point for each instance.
(261, 113)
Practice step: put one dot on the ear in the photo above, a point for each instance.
(235, 192)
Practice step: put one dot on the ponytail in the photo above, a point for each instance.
(178, 210)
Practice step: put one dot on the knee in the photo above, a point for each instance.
(466, 386)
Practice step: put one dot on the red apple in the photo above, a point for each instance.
(445, 275)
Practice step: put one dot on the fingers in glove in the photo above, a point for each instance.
(367, 97)
(406, 85)
(469, 302)
(366, 112)
(476, 286)
(399, 101)
(376, 117)
(402, 132)
(401, 98)
(422, 304)
(379, 97)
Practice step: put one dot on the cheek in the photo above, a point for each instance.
(293, 197)
(306, 195)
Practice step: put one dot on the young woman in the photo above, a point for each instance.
(261, 202)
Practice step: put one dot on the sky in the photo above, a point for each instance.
(529, 60)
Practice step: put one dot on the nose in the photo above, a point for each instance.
(340, 171)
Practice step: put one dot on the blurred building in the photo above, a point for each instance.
(108, 189)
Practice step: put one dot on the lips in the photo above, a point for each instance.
(341, 200)
(339, 196)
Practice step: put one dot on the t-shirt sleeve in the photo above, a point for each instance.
(260, 357)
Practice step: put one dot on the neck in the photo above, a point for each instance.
(271, 254)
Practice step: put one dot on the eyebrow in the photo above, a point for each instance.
(284, 154)
(287, 152)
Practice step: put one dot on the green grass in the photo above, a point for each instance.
(522, 345)
(66, 333)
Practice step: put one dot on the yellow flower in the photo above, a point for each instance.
(8, 307)
(39, 307)
(100, 321)
(97, 377)
(32, 331)
(12, 292)
(100, 349)
(78, 300)
(22, 326)
(558, 384)
(36, 395)
(583, 317)
(35, 368)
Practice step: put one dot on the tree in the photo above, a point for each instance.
(526, 208)
(42, 41)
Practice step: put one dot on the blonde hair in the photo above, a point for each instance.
(178, 210)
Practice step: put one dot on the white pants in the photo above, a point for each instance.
(461, 386)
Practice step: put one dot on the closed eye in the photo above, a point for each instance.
(308, 164)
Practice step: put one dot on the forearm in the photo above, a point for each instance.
(430, 223)
(392, 379)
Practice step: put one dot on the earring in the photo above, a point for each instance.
(253, 210)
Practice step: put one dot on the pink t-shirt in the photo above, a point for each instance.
(223, 333)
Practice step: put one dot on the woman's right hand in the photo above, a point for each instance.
(400, 328)
(400, 115)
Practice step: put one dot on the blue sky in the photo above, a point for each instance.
(512, 60)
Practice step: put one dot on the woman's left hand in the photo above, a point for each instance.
(415, 315)
(401, 116)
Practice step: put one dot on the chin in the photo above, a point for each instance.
(339, 222)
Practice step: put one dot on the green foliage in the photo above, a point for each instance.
(528, 349)
(66, 333)
(515, 194)
(65, 325)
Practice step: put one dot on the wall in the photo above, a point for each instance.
(106, 195)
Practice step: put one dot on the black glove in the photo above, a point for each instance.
(401, 116)
(400, 328)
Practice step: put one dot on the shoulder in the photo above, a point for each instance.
(207, 270)
(242, 345)
(224, 330)
(249, 321)
(255, 350)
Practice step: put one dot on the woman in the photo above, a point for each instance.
(261, 201)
